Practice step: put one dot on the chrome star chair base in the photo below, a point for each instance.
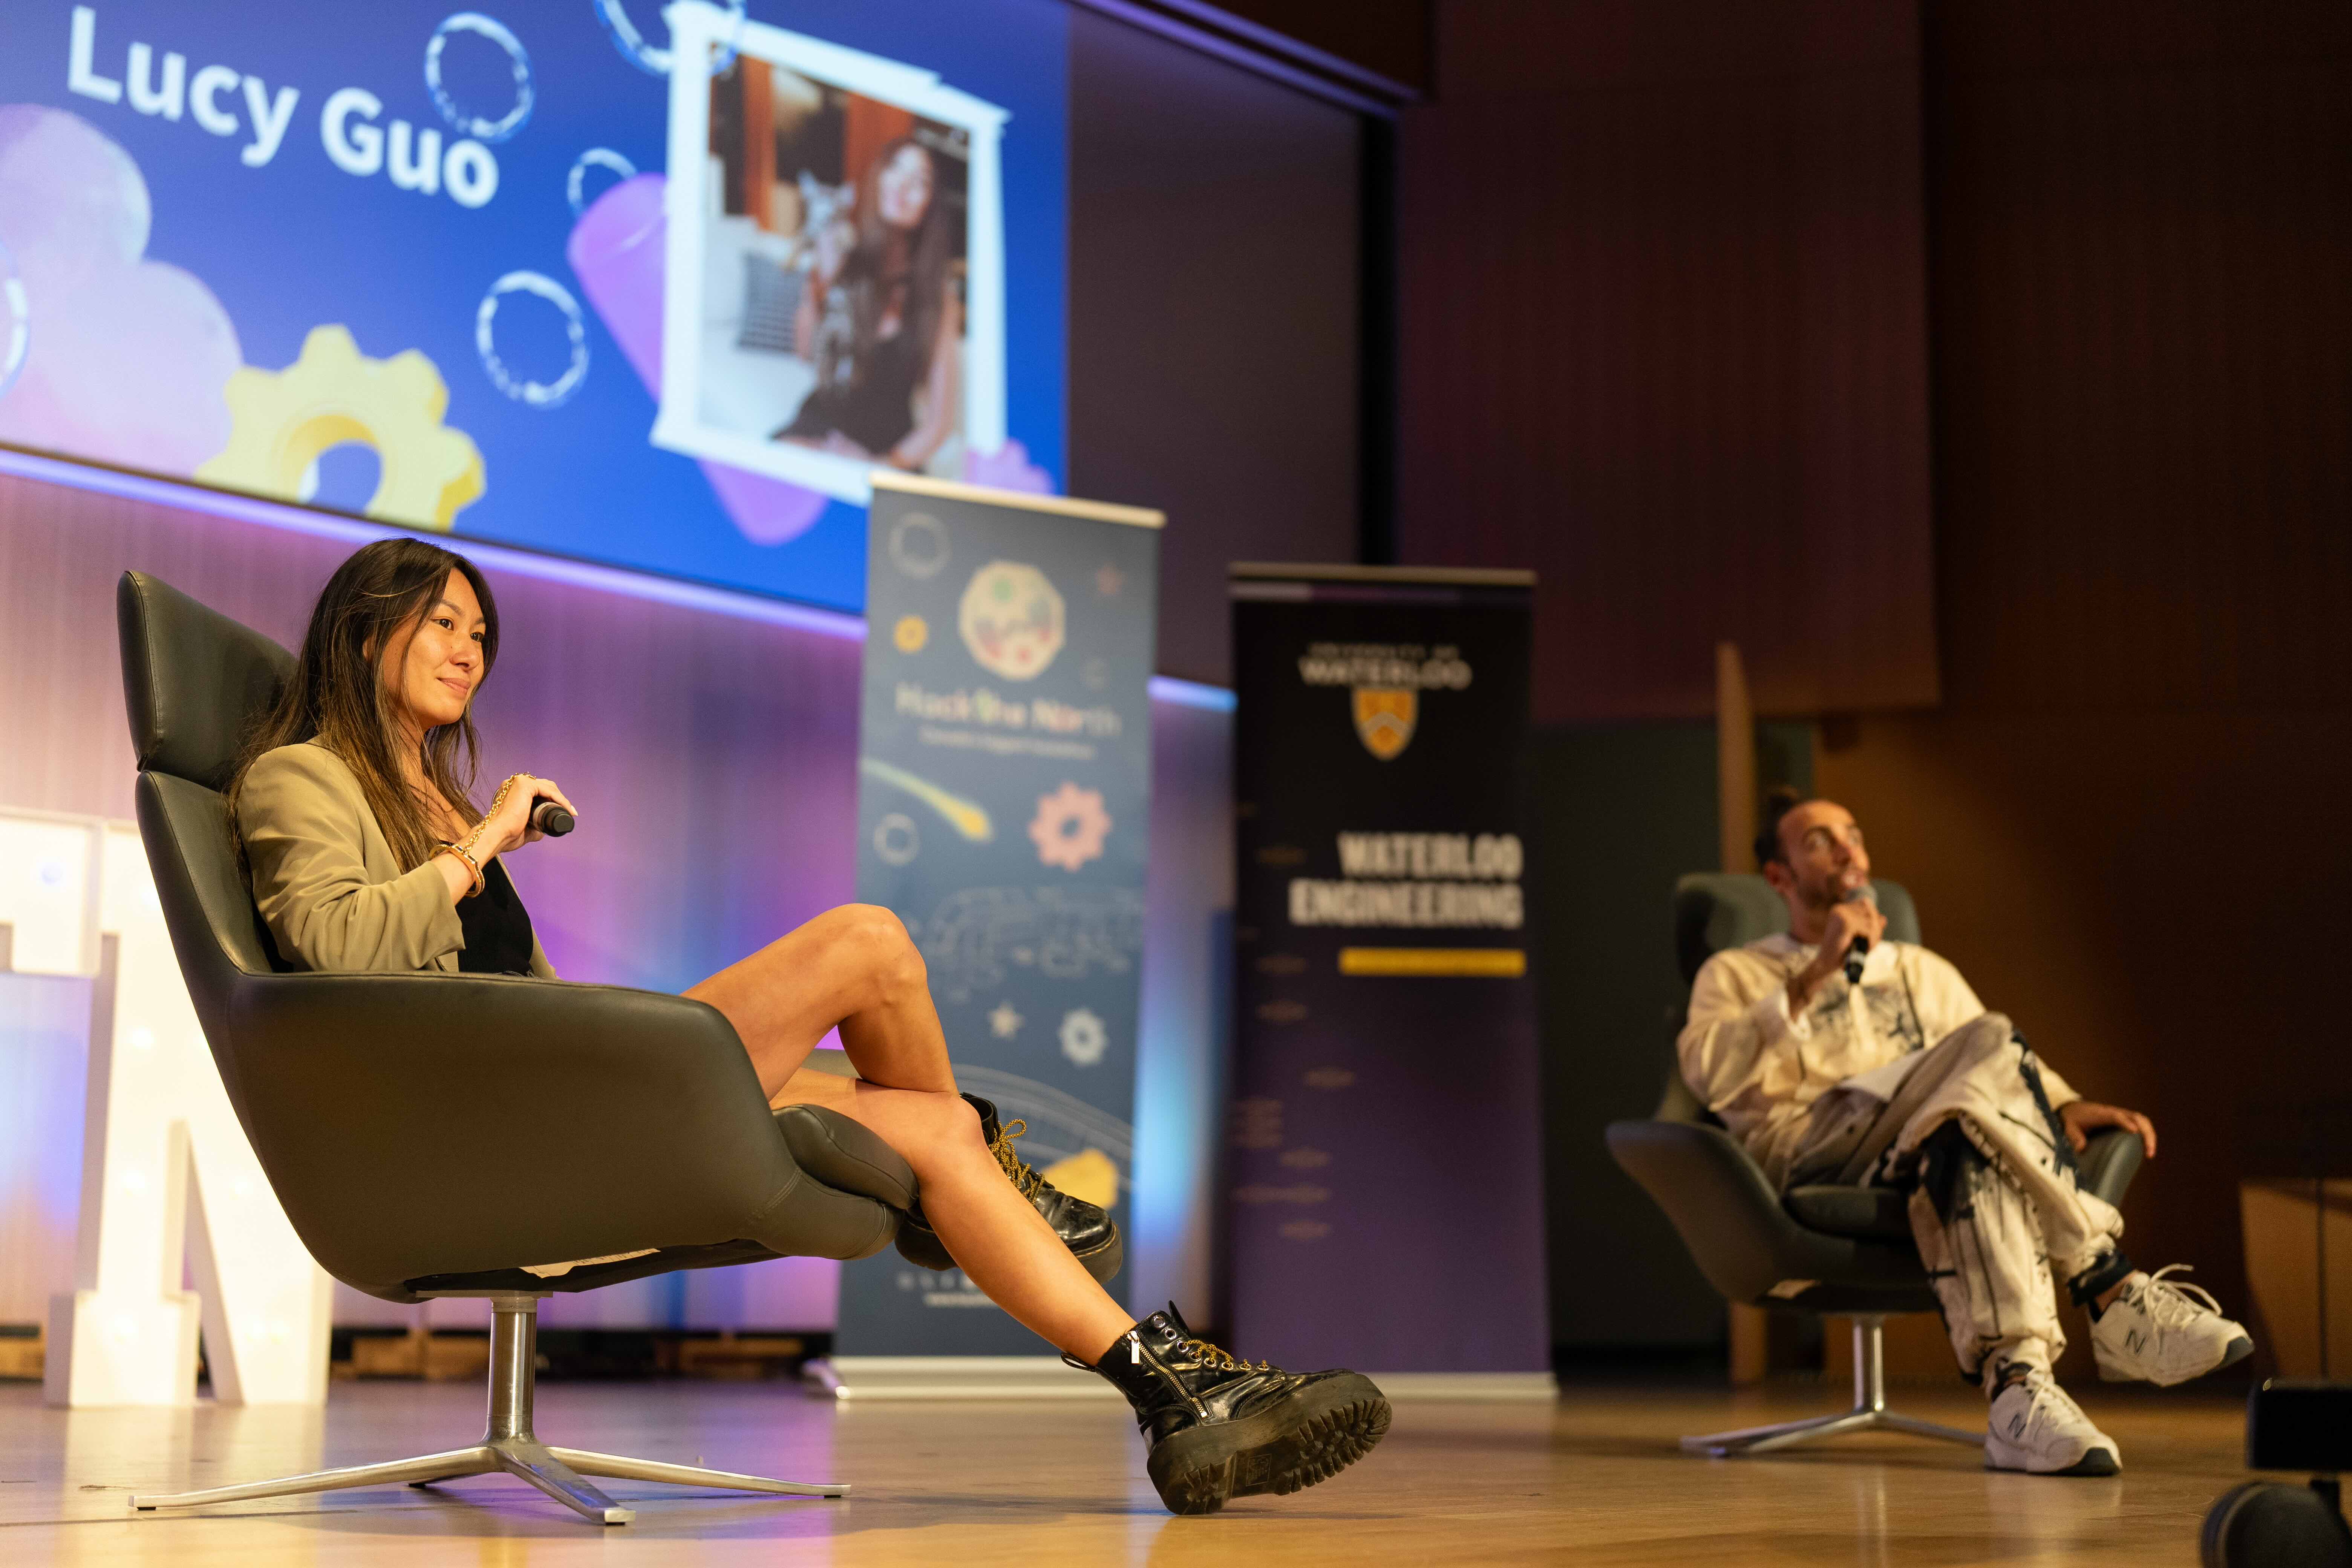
(1869, 1412)
(509, 1446)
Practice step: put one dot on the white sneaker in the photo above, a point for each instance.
(2158, 1331)
(2036, 1426)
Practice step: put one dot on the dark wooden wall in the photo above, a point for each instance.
(2056, 545)
(2143, 330)
(1662, 338)
(2127, 818)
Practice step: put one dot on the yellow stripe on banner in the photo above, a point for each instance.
(1465, 963)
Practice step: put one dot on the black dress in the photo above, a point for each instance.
(876, 409)
(496, 927)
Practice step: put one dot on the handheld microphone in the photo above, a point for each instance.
(1859, 949)
(549, 817)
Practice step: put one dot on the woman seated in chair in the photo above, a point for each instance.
(367, 853)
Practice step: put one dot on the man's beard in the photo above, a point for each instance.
(1823, 896)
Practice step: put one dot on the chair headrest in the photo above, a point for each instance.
(192, 680)
(1715, 910)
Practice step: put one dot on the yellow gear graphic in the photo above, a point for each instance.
(1089, 1175)
(282, 420)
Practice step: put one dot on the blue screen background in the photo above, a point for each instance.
(299, 243)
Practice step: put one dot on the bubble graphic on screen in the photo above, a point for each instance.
(15, 322)
(537, 393)
(653, 61)
(896, 840)
(475, 125)
(575, 183)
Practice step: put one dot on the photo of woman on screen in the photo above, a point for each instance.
(835, 271)
(882, 318)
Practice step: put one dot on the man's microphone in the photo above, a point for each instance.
(1859, 949)
(549, 817)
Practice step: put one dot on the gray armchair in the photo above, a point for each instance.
(1847, 1250)
(593, 1121)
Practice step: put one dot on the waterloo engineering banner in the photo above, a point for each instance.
(1003, 814)
(1384, 1162)
(653, 285)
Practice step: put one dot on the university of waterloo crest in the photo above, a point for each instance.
(1385, 682)
(1385, 719)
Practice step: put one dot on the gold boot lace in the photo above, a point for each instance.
(1211, 1356)
(1024, 1180)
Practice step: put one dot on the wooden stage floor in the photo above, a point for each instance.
(1595, 1480)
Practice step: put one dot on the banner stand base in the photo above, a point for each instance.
(863, 1379)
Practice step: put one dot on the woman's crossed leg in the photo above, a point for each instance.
(1215, 1427)
(855, 969)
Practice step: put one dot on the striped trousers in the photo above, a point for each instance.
(1997, 1205)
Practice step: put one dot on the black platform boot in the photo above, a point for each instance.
(1084, 1228)
(1222, 1428)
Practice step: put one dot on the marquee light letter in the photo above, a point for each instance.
(161, 1148)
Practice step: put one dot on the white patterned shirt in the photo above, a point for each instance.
(1761, 1069)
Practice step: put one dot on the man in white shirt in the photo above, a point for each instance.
(1904, 1079)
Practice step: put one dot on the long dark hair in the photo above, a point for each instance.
(887, 260)
(337, 696)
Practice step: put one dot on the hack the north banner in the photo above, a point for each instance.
(1003, 814)
(1384, 1171)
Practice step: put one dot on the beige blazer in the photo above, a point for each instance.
(324, 874)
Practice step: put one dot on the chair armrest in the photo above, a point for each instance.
(415, 1125)
(1732, 1221)
(1881, 1213)
(843, 1153)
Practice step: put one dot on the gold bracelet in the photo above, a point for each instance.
(499, 799)
(472, 865)
(473, 848)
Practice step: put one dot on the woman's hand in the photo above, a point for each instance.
(508, 825)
